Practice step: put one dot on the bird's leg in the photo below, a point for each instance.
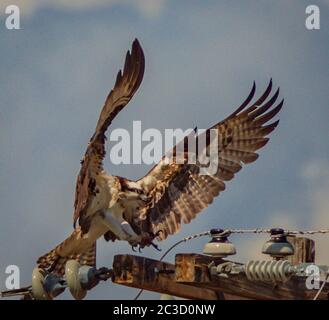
(147, 240)
(114, 220)
(134, 238)
(120, 227)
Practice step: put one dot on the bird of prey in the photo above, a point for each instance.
(172, 192)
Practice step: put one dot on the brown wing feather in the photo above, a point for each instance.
(179, 192)
(127, 82)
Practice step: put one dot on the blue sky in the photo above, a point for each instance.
(201, 60)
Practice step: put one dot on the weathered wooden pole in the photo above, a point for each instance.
(304, 250)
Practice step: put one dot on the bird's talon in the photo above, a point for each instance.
(155, 246)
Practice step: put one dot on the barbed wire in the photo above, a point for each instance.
(308, 231)
(266, 231)
(193, 236)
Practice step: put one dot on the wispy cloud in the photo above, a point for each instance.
(315, 174)
(148, 8)
(319, 199)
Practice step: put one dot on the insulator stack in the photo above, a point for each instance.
(278, 246)
(219, 245)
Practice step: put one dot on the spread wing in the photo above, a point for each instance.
(127, 82)
(179, 192)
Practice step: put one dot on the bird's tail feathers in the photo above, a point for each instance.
(54, 261)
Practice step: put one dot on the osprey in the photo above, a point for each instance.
(154, 206)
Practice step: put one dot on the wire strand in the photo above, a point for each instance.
(321, 288)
